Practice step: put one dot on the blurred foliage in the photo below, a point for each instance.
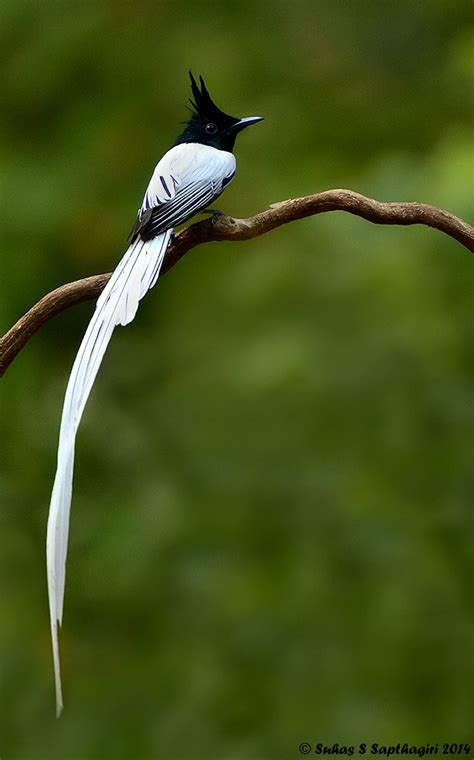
(271, 540)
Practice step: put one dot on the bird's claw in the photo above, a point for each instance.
(215, 214)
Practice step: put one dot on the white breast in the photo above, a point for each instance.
(186, 163)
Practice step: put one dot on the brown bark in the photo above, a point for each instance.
(228, 228)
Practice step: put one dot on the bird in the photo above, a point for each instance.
(189, 177)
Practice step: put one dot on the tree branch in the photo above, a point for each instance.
(227, 228)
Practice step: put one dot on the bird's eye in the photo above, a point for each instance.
(211, 128)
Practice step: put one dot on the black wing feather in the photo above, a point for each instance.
(185, 204)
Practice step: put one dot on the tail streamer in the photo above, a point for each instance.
(135, 274)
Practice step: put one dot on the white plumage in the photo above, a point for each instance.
(185, 181)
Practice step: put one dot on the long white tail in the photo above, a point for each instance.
(135, 274)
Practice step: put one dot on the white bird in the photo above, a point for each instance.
(190, 176)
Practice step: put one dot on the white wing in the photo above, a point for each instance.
(186, 179)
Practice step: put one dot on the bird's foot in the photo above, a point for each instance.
(215, 214)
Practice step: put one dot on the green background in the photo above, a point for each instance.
(271, 540)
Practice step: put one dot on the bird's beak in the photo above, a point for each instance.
(246, 122)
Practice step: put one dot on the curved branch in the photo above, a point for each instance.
(228, 228)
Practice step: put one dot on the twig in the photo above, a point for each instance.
(228, 228)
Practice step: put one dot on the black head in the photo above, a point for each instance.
(208, 124)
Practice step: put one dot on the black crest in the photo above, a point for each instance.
(208, 125)
(204, 106)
